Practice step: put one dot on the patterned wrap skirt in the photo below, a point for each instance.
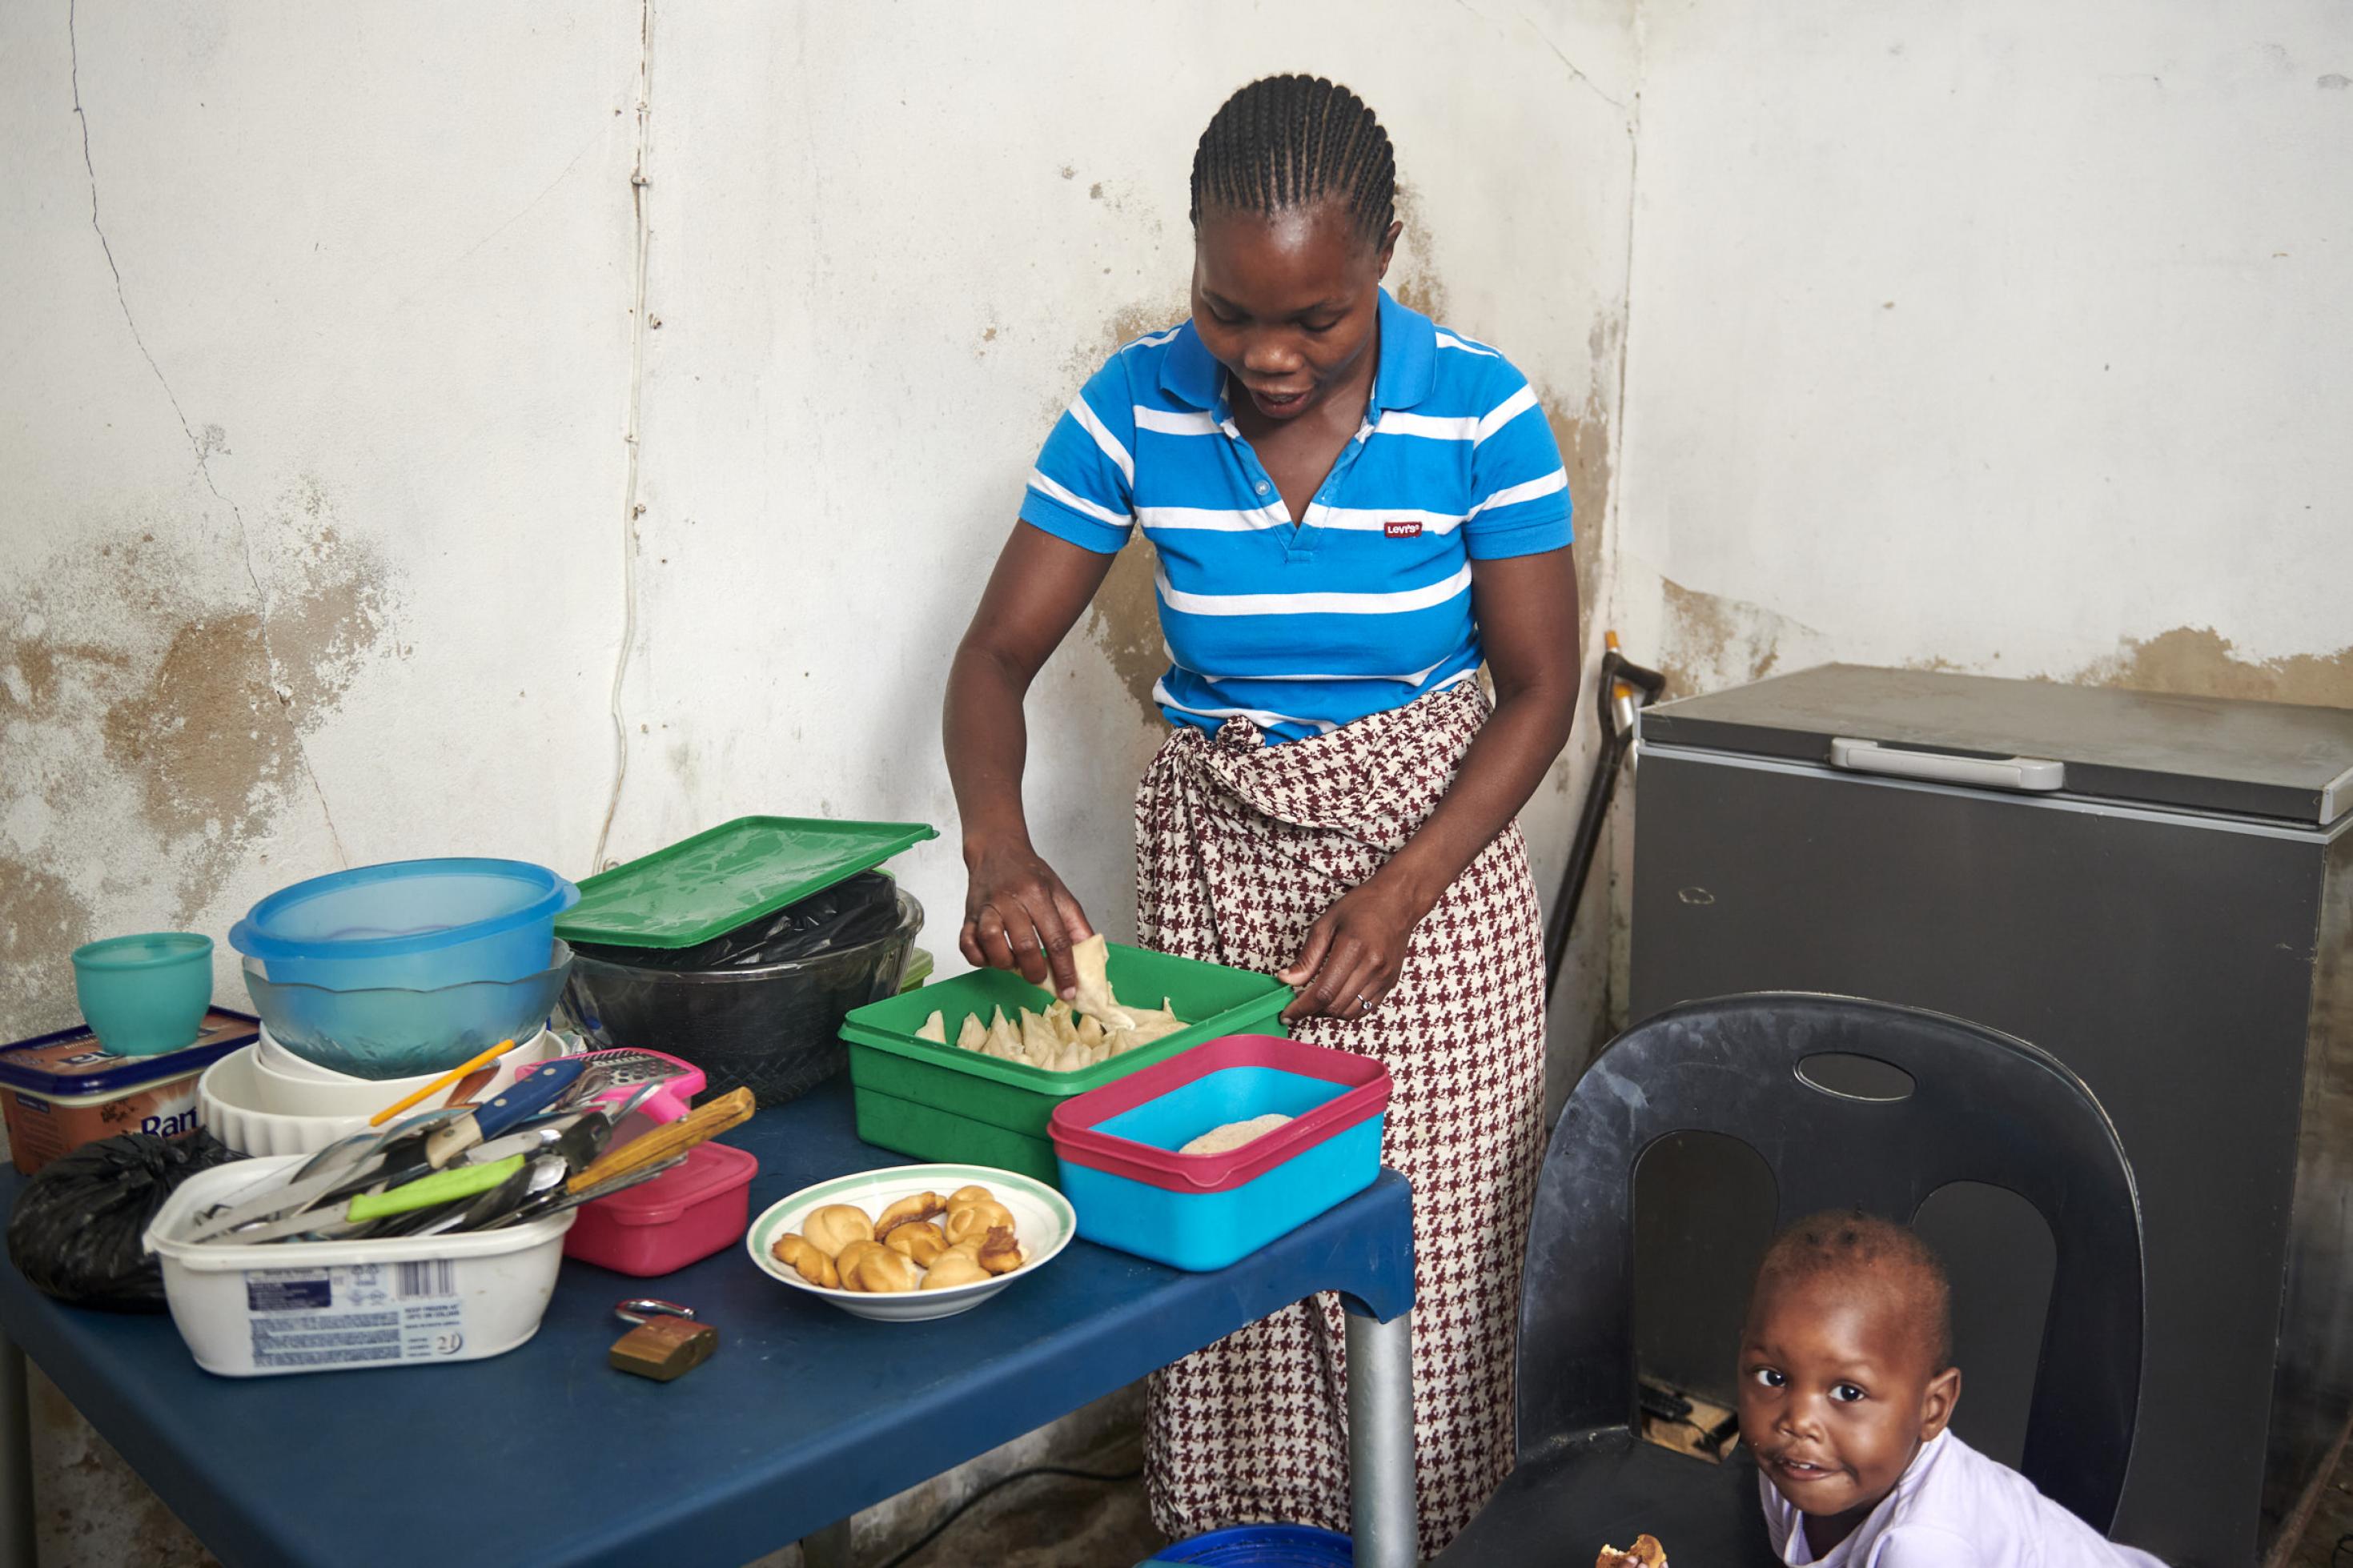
(1240, 846)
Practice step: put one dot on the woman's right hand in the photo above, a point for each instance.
(1018, 915)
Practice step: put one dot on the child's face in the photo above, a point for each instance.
(1839, 1389)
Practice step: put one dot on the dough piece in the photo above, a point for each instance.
(1003, 1039)
(921, 1207)
(1038, 1041)
(1234, 1135)
(850, 1264)
(974, 1035)
(954, 1269)
(799, 1255)
(835, 1226)
(885, 1272)
(974, 1221)
(1091, 959)
(999, 1253)
(921, 1241)
(1646, 1552)
(1062, 1021)
(1091, 1033)
(934, 1029)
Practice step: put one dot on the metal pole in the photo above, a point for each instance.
(828, 1548)
(16, 1549)
(1382, 1501)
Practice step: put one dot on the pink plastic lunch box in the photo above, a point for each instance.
(700, 1208)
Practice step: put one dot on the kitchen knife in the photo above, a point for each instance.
(529, 1095)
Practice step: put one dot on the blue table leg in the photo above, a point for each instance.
(1382, 1502)
(16, 1461)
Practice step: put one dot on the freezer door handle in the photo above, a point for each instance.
(1940, 767)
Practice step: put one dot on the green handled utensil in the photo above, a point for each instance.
(458, 1182)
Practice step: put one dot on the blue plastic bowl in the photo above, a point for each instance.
(1262, 1546)
(394, 1032)
(416, 926)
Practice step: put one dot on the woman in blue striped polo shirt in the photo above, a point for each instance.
(1353, 510)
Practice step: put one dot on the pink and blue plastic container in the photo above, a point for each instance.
(1117, 1147)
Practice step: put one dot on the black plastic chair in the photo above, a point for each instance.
(1984, 1108)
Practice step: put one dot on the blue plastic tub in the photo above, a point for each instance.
(417, 925)
(1117, 1148)
(397, 1033)
(1262, 1546)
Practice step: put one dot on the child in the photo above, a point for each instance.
(1847, 1384)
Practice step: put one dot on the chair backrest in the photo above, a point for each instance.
(1984, 1108)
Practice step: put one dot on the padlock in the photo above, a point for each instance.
(666, 1343)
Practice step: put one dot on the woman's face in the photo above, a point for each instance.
(1288, 303)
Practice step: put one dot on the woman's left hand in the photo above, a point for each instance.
(1354, 953)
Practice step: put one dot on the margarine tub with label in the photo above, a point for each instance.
(61, 1091)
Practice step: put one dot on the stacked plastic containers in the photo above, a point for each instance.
(1122, 1169)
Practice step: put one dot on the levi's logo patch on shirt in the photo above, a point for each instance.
(1402, 530)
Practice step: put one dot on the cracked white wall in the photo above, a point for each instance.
(322, 530)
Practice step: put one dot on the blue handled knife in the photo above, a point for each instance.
(524, 1099)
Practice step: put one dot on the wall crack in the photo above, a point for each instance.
(202, 447)
(631, 509)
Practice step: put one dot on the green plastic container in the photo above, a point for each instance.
(936, 1102)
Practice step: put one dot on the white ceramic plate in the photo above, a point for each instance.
(1043, 1223)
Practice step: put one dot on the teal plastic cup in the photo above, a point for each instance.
(144, 995)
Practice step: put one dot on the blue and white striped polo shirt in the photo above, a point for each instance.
(1366, 605)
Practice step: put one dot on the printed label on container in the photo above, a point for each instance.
(355, 1314)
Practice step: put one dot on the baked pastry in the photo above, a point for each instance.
(954, 1269)
(802, 1256)
(883, 1271)
(835, 1225)
(1646, 1552)
(849, 1264)
(922, 1240)
(999, 1252)
(974, 1221)
(921, 1207)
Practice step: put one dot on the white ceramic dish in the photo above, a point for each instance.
(247, 1111)
(260, 1309)
(307, 1089)
(1043, 1223)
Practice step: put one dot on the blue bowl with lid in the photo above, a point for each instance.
(417, 925)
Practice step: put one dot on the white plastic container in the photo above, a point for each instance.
(260, 1309)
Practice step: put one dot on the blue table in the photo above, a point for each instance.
(547, 1457)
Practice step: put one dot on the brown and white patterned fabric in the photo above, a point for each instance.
(1239, 847)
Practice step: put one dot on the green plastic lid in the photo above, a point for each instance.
(708, 885)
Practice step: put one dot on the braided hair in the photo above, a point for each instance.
(1287, 141)
(1853, 1242)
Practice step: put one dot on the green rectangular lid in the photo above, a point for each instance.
(708, 885)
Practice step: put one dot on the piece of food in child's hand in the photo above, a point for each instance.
(1234, 1135)
(920, 1240)
(934, 1029)
(954, 1269)
(1646, 1552)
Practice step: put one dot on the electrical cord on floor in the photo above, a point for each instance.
(960, 1510)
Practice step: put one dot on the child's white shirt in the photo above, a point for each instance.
(1954, 1508)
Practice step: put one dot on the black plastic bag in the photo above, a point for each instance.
(852, 913)
(75, 1230)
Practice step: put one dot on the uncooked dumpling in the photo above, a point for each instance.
(974, 1035)
(1091, 959)
(934, 1029)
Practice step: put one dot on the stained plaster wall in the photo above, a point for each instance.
(376, 366)
(2008, 338)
